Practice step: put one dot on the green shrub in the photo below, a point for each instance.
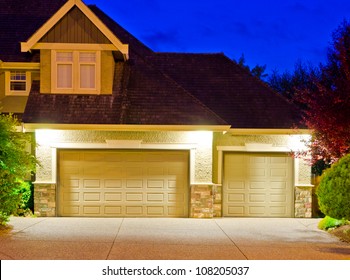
(24, 194)
(334, 190)
(16, 164)
(328, 222)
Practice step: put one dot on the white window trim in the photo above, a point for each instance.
(76, 74)
(9, 92)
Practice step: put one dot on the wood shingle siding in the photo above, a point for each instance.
(75, 27)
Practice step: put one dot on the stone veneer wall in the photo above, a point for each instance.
(303, 202)
(205, 201)
(45, 200)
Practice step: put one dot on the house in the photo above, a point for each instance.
(124, 131)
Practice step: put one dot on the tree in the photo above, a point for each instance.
(327, 102)
(256, 71)
(16, 163)
(288, 83)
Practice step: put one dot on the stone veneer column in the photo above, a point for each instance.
(205, 201)
(303, 201)
(45, 199)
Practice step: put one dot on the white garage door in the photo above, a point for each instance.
(258, 185)
(129, 183)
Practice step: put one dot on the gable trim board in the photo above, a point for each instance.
(34, 39)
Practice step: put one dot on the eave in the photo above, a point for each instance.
(19, 65)
(30, 127)
(268, 131)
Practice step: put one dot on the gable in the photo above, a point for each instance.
(70, 19)
(75, 27)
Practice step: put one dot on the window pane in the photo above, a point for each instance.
(17, 86)
(64, 56)
(87, 76)
(64, 76)
(87, 57)
(18, 76)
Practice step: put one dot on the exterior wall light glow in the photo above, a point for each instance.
(45, 137)
(202, 138)
(298, 142)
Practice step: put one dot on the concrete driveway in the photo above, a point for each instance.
(167, 239)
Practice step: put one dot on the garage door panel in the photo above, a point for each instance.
(94, 210)
(278, 172)
(257, 197)
(113, 196)
(236, 185)
(268, 181)
(71, 196)
(70, 210)
(156, 184)
(155, 197)
(134, 197)
(134, 210)
(113, 184)
(236, 211)
(113, 210)
(280, 185)
(155, 210)
(70, 184)
(261, 185)
(236, 197)
(90, 183)
(278, 198)
(91, 196)
(256, 211)
(134, 184)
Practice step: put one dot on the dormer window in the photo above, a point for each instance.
(76, 72)
(17, 82)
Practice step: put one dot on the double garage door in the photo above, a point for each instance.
(124, 183)
(258, 185)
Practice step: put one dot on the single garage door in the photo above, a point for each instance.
(258, 185)
(124, 183)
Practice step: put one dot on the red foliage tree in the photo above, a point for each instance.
(326, 104)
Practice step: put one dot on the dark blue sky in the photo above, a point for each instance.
(273, 32)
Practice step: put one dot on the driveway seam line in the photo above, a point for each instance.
(34, 224)
(115, 238)
(234, 243)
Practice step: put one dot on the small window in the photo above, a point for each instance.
(17, 82)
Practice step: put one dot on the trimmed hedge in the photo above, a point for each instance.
(334, 190)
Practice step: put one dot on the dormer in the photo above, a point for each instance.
(76, 47)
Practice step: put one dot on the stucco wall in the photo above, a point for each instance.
(202, 141)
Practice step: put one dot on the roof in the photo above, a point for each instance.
(150, 88)
(19, 19)
(228, 89)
